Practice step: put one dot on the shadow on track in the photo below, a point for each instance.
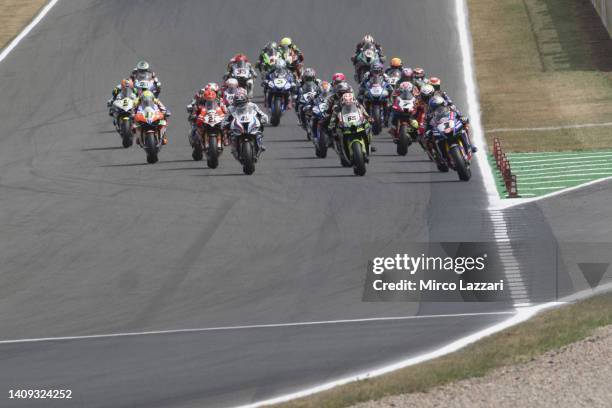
(98, 149)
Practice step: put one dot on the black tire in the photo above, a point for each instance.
(198, 153)
(126, 134)
(377, 125)
(461, 166)
(403, 141)
(276, 111)
(323, 143)
(248, 158)
(212, 157)
(359, 167)
(151, 149)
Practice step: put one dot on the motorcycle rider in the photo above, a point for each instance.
(280, 69)
(335, 104)
(309, 78)
(125, 89)
(235, 60)
(375, 73)
(241, 100)
(264, 63)
(287, 50)
(347, 99)
(438, 101)
(211, 102)
(405, 89)
(436, 83)
(394, 65)
(419, 79)
(146, 100)
(229, 91)
(368, 39)
(141, 70)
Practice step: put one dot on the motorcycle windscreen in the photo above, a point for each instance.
(350, 115)
(247, 116)
(144, 76)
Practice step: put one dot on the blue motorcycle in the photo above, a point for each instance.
(376, 98)
(279, 87)
(449, 138)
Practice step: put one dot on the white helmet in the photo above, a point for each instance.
(231, 83)
(368, 39)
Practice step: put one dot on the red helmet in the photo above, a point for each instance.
(210, 95)
(338, 77)
(419, 73)
(435, 82)
(240, 57)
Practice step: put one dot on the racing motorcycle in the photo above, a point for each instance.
(394, 76)
(364, 61)
(404, 107)
(376, 100)
(123, 110)
(449, 134)
(150, 125)
(244, 76)
(279, 93)
(209, 134)
(247, 132)
(144, 82)
(318, 126)
(352, 141)
(303, 107)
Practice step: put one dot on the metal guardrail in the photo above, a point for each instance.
(604, 8)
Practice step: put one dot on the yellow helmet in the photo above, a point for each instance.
(396, 63)
(285, 42)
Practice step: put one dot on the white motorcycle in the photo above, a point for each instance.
(123, 109)
(246, 131)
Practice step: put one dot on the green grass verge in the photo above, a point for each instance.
(543, 173)
(547, 331)
(543, 63)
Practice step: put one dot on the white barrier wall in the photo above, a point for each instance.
(604, 8)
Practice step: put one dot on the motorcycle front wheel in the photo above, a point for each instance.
(248, 158)
(359, 167)
(212, 155)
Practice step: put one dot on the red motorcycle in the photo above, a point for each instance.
(209, 122)
(408, 115)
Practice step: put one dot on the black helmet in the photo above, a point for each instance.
(240, 99)
(342, 88)
(309, 74)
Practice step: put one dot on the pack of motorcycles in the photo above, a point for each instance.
(350, 140)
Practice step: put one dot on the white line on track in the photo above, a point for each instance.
(253, 326)
(43, 12)
(562, 159)
(547, 128)
(524, 312)
(558, 154)
(563, 170)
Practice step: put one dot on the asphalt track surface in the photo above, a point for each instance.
(93, 240)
